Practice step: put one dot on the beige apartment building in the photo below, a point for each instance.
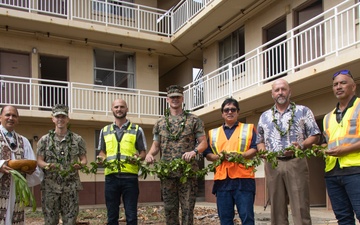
(86, 53)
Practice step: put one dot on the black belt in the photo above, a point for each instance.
(285, 158)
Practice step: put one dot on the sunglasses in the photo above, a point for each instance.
(227, 110)
(343, 72)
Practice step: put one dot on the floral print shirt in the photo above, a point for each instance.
(277, 138)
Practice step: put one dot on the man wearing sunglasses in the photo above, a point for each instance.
(234, 183)
(285, 125)
(342, 134)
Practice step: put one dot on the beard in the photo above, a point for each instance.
(120, 116)
(281, 100)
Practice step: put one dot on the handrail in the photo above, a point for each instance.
(116, 13)
(43, 94)
(336, 32)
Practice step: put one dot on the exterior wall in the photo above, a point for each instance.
(80, 58)
(80, 69)
(211, 58)
(146, 72)
(181, 75)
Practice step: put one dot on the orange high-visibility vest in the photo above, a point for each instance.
(239, 142)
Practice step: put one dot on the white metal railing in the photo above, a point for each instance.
(325, 35)
(116, 13)
(184, 11)
(41, 94)
(334, 31)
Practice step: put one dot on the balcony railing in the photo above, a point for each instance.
(335, 31)
(41, 94)
(116, 13)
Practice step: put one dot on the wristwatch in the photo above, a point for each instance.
(196, 151)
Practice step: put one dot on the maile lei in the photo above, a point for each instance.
(290, 122)
(175, 135)
(68, 138)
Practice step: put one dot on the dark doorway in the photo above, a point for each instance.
(308, 45)
(52, 93)
(317, 180)
(275, 57)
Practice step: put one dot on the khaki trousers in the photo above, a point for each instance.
(287, 184)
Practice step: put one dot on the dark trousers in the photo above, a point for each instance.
(244, 201)
(344, 194)
(127, 189)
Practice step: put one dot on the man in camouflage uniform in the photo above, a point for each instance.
(178, 134)
(63, 151)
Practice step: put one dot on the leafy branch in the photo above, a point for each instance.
(22, 191)
(179, 166)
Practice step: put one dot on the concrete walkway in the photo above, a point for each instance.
(319, 215)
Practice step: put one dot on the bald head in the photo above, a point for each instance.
(119, 108)
(280, 82)
(281, 92)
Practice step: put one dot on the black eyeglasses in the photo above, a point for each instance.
(227, 110)
(343, 72)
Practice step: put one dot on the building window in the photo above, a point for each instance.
(232, 47)
(114, 69)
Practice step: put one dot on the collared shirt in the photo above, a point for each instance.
(10, 135)
(302, 126)
(340, 114)
(6, 132)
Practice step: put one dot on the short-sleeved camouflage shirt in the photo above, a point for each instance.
(172, 149)
(63, 156)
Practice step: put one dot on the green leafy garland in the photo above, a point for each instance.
(68, 139)
(172, 136)
(290, 122)
(163, 168)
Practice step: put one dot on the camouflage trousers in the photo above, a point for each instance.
(175, 192)
(54, 204)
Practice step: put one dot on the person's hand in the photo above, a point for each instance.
(288, 153)
(245, 155)
(297, 145)
(99, 160)
(50, 166)
(134, 160)
(30, 171)
(187, 156)
(5, 168)
(215, 157)
(336, 151)
(149, 158)
(77, 166)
